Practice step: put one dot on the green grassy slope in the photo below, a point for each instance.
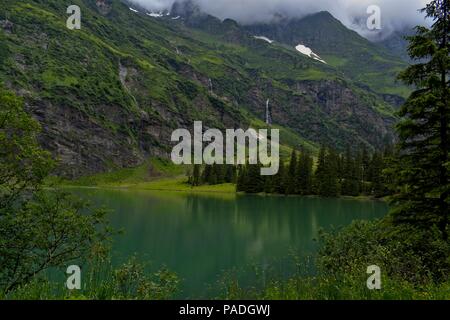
(109, 95)
(366, 63)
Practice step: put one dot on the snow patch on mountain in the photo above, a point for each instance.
(134, 10)
(308, 52)
(155, 14)
(264, 38)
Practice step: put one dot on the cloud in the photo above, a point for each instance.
(395, 14)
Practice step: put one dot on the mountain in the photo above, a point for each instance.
(397, 43)
(109, 95)
(368, 63)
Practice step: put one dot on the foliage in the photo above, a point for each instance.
(131, 281)
(342, 261)
(39, 229)
(126, 72)
(411, 245)
(214, 174)
(151, 170)
(346, 175)
(412, 255)
(23, 164)
(421, 171)
(350, 287)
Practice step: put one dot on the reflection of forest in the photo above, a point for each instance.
(200, 236)
(270, 220)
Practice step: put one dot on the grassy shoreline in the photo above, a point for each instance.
(162, 175)
(179, 184)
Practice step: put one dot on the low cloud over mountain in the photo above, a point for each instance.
(396, 14)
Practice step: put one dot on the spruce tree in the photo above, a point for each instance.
(422, 169)
(230, 174)
(291, 175)
(196, 175)
(304, 173)
(347, 173)
(326, 178)
(269, 184)
(255, 182)
(331, 177)
(279, 180)
(241, 179)
(358, 175)
(219, 172)
(377, 166)
(207, 174)
(365, 162)
(319, 176)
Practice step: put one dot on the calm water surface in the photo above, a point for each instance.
(202, 236)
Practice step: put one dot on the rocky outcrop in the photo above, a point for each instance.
(7, 25)
(104, 6)
(112, 96)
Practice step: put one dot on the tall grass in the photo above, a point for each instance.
(103, 282)
(327, 288)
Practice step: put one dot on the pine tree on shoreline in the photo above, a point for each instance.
(421, 171)
(336, 175)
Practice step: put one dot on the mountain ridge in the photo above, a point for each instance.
(108, 96)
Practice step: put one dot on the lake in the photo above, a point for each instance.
(203, 236)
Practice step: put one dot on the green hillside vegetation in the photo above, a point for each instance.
(153, 169)
(356, 57)
(43, 231)
(354, 173)
(129, 80)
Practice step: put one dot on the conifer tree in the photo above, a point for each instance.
(241, 179)
(291, 175)
(269, 184)
(358, 175)
(220, 172)
(422, 170)
(365, 162)
(255, 181)
(347, 174)
(319, 176)
(377, 166)
(332, 188)
(326, 178)
(206, 176)
(196, 175)
(304, 173)
(279, 180)
(230, 174)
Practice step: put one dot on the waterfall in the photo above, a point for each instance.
(210, 86)
(268, 117)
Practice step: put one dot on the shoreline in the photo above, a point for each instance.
(216, 189)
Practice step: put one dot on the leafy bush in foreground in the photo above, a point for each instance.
(404, 253)
(128, 282)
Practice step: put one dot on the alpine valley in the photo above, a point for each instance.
(109, 96)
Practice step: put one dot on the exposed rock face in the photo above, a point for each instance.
(85, 145)
(82, 145)
(7, 25)
(325, 112)
(112, 97)
(104, 6)
(394, 100)
(355, 116)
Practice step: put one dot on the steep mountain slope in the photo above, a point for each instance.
(365, 62)
(397, 43)
(110, 95)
